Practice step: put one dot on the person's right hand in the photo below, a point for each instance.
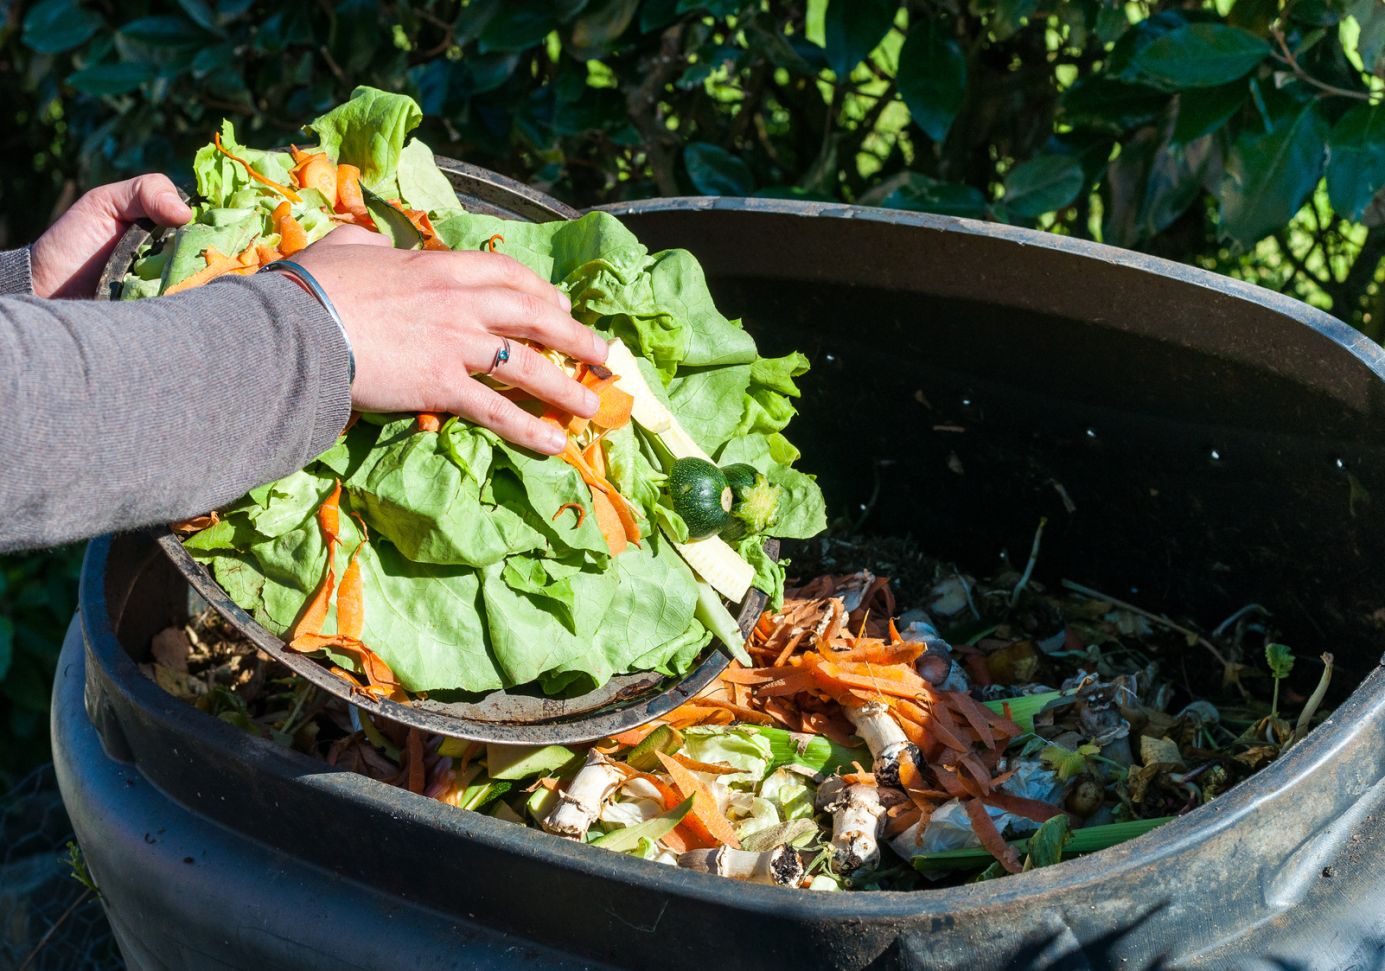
(423, 322)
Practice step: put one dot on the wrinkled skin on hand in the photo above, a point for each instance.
(68, 259)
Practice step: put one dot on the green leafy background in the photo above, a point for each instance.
(1244, 136)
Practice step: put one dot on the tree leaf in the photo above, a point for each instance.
(1201, 56)
(594, 32)
(1010, 15)
(6, 645)
(932, 77)
(1370, 43)
(54, 26)
(1356, 160)
(164, 31)
(1111, 105)
(517, 26)
(1202, 111)
(854, 28)
(921, 194)
(1042, 184)
(110, 79)
(1268, 176)
(716, 172)
(201, 14)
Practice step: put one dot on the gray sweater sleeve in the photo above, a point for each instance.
(15, 273)
(120, 415)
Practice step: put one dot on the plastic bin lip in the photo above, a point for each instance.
(1348, 725)
(1359, 345)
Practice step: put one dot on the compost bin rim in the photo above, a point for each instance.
(1367, 351)
(1165, 843)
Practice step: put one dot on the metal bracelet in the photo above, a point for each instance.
(310, 283)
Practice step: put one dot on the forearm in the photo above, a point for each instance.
(119, 415)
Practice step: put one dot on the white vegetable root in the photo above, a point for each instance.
(887, 743)
(858, 816)
(777, 867)
(579, 806)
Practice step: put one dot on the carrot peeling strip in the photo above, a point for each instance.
(429, 421)
(984, 828)
(490, 243)
(350, 199)
(581, 512)
(283, 190)
(704, 805)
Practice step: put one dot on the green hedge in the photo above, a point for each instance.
(1237, 136)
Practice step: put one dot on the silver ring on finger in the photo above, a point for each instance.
(502, 354)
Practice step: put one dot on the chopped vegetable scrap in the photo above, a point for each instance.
(860, 746)
(491, 567)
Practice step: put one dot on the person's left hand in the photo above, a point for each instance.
(67, 260)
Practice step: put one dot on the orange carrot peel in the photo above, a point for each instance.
(380, 680)
(283, 190)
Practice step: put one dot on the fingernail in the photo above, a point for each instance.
(592, 401)
(557, 439)
(565, 300)
(177, 204)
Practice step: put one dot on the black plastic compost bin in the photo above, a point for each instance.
(1219, 444)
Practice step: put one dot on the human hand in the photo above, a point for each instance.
(67, 259)
(423, 322)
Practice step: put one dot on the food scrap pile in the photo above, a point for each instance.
(467, 564)
(988, 728)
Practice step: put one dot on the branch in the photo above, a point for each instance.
(1300, 267)
(1346, 296)
(1287, 58)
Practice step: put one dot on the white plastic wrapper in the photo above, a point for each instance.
(853, 588)
(949, 828)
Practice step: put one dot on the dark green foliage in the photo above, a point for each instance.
(1250, 143)
(37, 595)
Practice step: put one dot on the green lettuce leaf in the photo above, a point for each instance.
(479, 572)
(368, 131)
(421, 183)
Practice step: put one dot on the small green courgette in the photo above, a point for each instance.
(701, 495)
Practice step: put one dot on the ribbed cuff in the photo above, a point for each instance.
(16, 274)
(331, 366)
